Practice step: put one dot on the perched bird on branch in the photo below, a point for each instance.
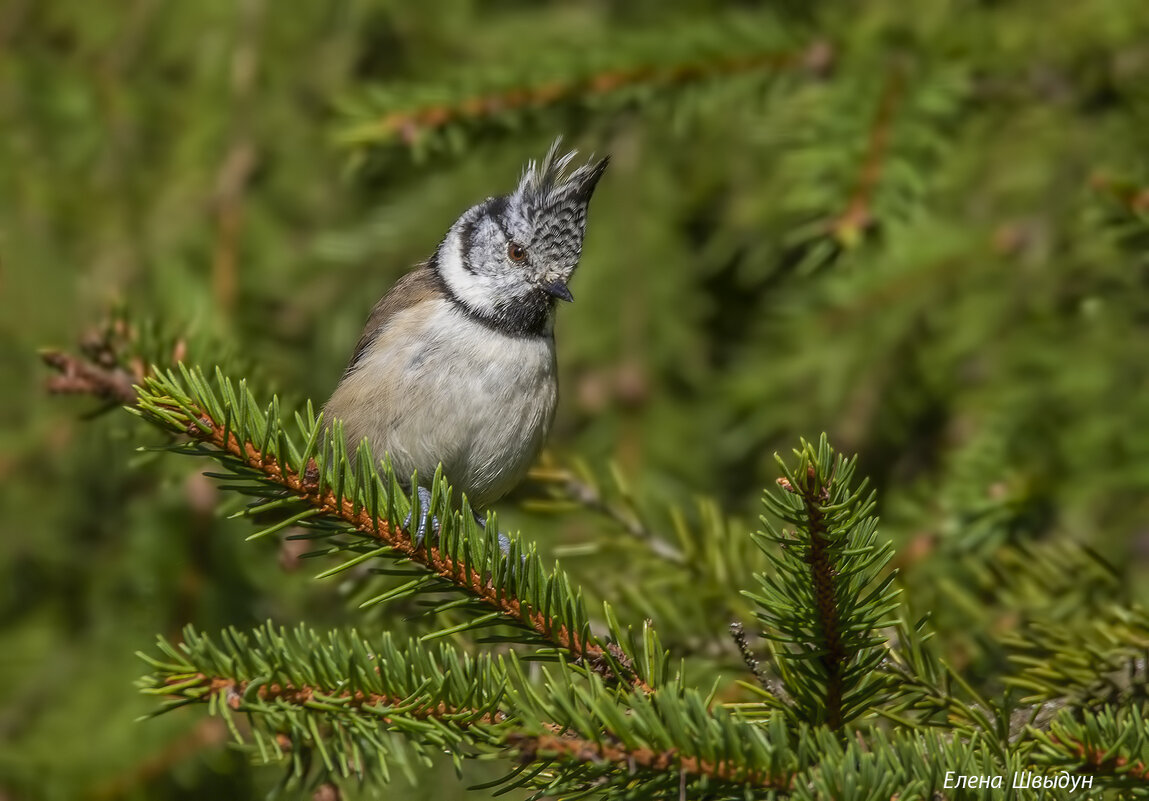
(457, 363)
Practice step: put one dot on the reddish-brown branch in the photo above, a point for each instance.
(233, 692)
(576, 749)
(858, 215)
(101, 375)
(78, 376)
(109, 366)
(589, 652)
(814, 496)
(1134, 198)
(231, 185)
(1095, 758)
(408, 124)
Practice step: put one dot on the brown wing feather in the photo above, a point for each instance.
(421, 284)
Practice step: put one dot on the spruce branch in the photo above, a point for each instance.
(340, 695)
(738, 634)
(324, 490)
(824, 601)
(408, 124)
(657, 741)
(619, 72)
(233, 692)
(858, 217)
(579, 486)
(111, 361)
(1112, 741)
(80, 376)
(1127, 194)
(1104, 662)
(546, 747)
(1104, 760)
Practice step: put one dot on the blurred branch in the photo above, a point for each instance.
(586, 494)
(1104, 759)
(858, 216)
(81, 377)
(239, 164)
(11, 18)
(1129, 195)
(407, 125)
(113, 361)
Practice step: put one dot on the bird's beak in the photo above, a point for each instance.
(558, 289)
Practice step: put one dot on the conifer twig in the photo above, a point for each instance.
(407, 125)
(233, 692)
(214, 433)
(591, 498)
(1132, 197)
(78, 376)
(239, 164)
(577, 749)
(738, 633)
(858, 215)
(111, 364)
(1104, 760)
(814, 496)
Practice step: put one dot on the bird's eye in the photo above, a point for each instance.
(516, 252)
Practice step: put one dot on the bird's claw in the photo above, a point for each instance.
(504, 540)
(424, 507)
(425, 515)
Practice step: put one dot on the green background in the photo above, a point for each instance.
(920, 228)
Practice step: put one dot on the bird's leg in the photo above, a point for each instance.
(424, 496)
(504, 540)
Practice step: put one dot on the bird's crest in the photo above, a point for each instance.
(547, 185)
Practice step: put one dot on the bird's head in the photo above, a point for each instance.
(508, 259)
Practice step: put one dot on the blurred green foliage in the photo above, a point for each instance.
(923, 231)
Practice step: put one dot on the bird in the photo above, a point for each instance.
(456, 365)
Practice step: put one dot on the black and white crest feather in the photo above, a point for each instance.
(557, 202)
(541, 223)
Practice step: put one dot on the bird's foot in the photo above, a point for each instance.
(425, 516)
(426, 519)
(504, 540)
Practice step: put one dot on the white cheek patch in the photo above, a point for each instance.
(476, 290)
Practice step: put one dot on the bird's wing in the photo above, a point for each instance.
(419, 285)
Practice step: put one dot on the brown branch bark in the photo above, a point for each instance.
(409, 124)
(231, 182)
(109, 366)
(858, 215)
(575, 749)
(814, 495)
(233, 691)
(1096, 759)
(78, 376)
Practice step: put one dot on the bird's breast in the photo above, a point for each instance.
(438, 386)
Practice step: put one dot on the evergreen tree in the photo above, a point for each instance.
(922, 230)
